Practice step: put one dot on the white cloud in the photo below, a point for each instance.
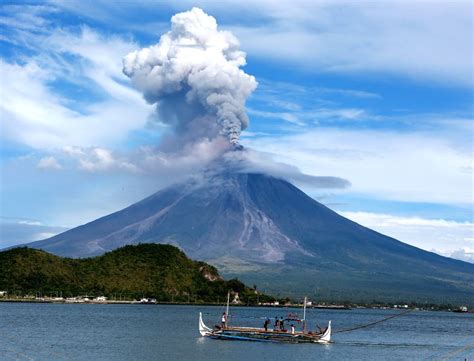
(411, 167)
(464, 254)
(16, 231)
(72, 151)
(425, 40)
(430, 41)
(26, 17)
(42, 235)
(100, 159)
(286, 116)
(37, 115)
(342, 113)
(303, 118)
(249, 134)
(30, 223)
(447, 237)
(48, 163)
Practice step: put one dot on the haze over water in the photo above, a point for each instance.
(149, 332)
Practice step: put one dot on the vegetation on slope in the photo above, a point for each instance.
(145, 270)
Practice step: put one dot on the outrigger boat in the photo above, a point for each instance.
(260, 334)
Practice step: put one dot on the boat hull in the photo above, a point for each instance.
(264, 337)
(260, 335)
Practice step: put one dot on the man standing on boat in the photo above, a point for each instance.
(266, 323)
(277, 324)
(224, 320)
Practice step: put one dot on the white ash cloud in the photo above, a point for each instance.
(193, 76)
(247, 160)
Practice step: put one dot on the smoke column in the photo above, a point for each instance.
(193, 75)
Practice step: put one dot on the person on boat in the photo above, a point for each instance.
(277, 324)
(224, 320)
(292, 329)
(282, 324)
(266, 323)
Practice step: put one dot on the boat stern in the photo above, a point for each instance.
(326, 337)
(203, 329)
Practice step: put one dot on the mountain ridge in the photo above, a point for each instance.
(267, 224)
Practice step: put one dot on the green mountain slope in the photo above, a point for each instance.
(152, 270)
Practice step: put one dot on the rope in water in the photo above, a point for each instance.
(373, 323)
(344, 329)
(458, 351)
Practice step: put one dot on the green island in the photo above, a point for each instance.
(161, 272)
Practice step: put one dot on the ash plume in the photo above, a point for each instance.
(193, 76)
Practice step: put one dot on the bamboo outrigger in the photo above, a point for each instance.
(260, 334)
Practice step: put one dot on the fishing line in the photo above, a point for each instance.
(341, 330)
(372, 323)
(459, 350)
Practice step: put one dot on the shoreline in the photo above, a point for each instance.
(316, 307)
(134, 302)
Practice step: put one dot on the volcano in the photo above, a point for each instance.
(266, 231)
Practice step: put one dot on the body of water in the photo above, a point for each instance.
(31, 331)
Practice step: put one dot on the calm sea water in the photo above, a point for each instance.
(151, 332)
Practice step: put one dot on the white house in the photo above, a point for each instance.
(236, 299)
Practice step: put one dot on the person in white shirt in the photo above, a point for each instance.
(224, 320)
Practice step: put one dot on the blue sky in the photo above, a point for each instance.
(377, 94)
